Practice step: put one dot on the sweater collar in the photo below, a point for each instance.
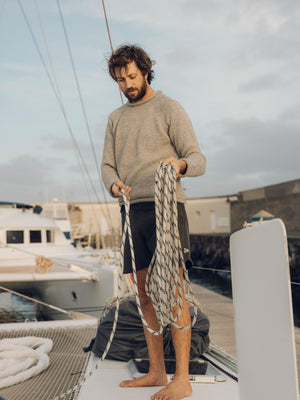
(155, 94)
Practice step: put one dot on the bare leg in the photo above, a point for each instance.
(180, 387)
(157, 373)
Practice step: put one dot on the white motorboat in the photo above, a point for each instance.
(38, 260)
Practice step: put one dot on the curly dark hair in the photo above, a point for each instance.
(125, 54)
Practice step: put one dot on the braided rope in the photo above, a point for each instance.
(22, 358)
(43, 264)
(164, 288)
(82, 380)
(163, 283)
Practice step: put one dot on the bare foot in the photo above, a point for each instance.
(177, 389)
(146, 380)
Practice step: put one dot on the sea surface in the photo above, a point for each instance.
(220, 282)
(14, 308)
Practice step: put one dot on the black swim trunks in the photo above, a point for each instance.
(143, 229)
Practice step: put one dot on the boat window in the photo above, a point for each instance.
(14, 237)
(35, 236)
(49, 236)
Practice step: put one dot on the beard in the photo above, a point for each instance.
(136, 94)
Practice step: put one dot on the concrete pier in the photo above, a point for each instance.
(219, 310)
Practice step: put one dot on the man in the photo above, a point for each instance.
(148, 129)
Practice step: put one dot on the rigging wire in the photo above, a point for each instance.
(48, 52)
(51, 82)
(110, 41)
(111, 46)
(107, 26)
(84, 112)
(80, 159)
(72, 314)
(228, 271)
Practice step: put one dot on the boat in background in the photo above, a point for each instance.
(58, 211)
(38, 259)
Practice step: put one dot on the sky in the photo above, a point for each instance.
(234, 65)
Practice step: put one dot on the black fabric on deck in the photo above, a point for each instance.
(129, 340)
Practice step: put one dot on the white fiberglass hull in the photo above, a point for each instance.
(74, 289)
(105, 383)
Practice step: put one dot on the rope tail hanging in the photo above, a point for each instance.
(163, 283)
(82, 380)
(164, 288)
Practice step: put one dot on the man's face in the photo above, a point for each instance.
(132, 82)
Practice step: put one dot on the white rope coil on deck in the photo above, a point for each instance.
(23, 358)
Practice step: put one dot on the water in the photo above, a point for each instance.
(220, 282)
(14, 308)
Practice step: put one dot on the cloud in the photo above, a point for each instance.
(227, 61)
(58, 143)
(291, 114)
(68, 149)
(30, 179)
(181, 56)
(265, 82)
(19, 67)
(255, 144)
(248, 153)
(67, 165)
(22, 169)
(21, 177)
(187, 15)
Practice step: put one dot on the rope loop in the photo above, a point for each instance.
(22, 358)
(164, 287)
(43, 264)
(163, 284)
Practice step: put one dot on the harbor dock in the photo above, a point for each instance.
(219, 310)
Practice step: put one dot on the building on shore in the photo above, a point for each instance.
(209, 215)
(281, 201)
(96, 221)
(206, 216)
(213, 216)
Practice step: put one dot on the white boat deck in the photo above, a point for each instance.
(219, 310)
(104, 384)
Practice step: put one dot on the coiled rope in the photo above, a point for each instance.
(22, 358)
(43, 264)
(163, 283)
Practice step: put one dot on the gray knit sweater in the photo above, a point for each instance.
(140, 135)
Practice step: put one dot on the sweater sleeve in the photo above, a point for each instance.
(108, 166)
(184, 140)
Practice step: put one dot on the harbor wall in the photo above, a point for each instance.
(211, 252)
(281, 200)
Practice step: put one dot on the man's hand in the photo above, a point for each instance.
(179, 165)
(117, 187)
